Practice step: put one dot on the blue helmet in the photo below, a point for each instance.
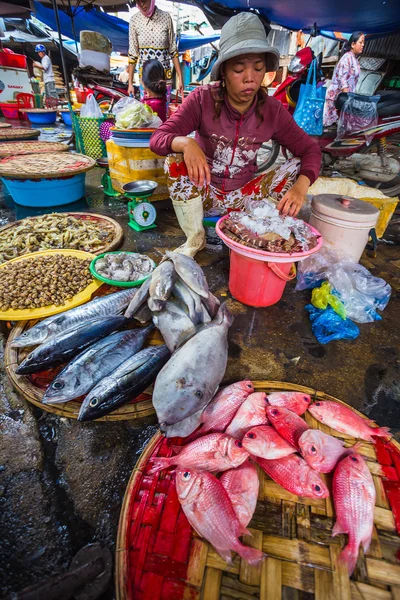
(40, 48)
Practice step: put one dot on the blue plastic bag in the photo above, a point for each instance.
(310, 106)
(327, 325)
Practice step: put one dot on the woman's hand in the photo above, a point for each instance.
(293, 200)
(181, 88)
(196, 163)
(131, 90)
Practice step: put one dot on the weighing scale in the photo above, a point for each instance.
(142, 214)
(106, 179)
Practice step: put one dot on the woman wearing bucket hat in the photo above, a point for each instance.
(215, 171)
(151, 36)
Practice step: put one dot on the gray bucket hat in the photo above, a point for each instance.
(244, 34)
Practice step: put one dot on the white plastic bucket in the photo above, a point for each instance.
(344, 223)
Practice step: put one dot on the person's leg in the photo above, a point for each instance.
(50, 90)
(187, 200)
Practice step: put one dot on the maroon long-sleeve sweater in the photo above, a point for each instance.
(231, 141)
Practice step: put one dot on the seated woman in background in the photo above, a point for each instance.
(216, 170)
(155, 87)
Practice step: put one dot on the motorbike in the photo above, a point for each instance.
(370, 155)
(106, 89)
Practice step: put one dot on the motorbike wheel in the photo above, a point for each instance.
(267, 155)
(106, 104)
(389, 188)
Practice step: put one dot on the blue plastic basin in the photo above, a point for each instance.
(42, 118)
(67, 118)
(46, 192)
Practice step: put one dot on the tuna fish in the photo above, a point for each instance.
(62, 348)
(112, 304)
(209, 510)
(214, 452)
(242, 486)
(354, 496)
(182, 388)
(98, 361)
(129, 380)
(289, 425)
(250, 413)
(343, 419)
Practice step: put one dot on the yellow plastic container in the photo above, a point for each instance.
(386, 207)
(133, 164)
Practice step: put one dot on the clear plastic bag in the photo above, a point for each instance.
(327, 325)
(357, 115)
(361, 293)
(132, 114)
(91, 109)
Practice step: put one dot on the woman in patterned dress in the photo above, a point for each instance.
(345, 76)
(151, 36)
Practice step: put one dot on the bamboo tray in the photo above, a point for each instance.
(5, 125)
(19, 148)
(45, 166)
(18, 133)
(160, 557)
(115, 238)
(32, 387)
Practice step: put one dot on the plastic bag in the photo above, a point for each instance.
(91, 109)
(327, 325)
(132, 114)
(323, 297)
(357, 115)
(362, 294)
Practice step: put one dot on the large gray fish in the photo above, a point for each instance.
(191, 300)
(113, 304)
(174, 325)
(212, 304)
(191, 377)
(190, 272)
(185, 427)
(98, 361)
(162, 281)
(64, 347)
(139, 299)
(128, 381)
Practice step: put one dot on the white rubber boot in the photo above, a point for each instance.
(190, 217)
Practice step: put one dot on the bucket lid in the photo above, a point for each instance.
(345, 208)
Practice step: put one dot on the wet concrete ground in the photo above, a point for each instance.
(62, 482)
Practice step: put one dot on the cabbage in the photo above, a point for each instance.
(135, 115)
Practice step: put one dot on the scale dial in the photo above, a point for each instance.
(144, 214)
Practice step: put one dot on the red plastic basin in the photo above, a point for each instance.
(17, 61)
(10, 111)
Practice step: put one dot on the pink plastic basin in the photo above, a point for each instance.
(258, 278)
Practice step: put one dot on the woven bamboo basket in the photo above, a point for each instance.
(18, 148)
(112, 242)
(32, 387)
(45, 166)
(18, 133)
(160, 557)
(5, 125)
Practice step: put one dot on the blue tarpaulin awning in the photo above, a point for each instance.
(115, 29)
(369, 16)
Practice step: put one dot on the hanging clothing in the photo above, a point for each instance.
(346, 75)
(272, 185)
(152, 38)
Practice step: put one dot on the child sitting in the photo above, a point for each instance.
(155, 87)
